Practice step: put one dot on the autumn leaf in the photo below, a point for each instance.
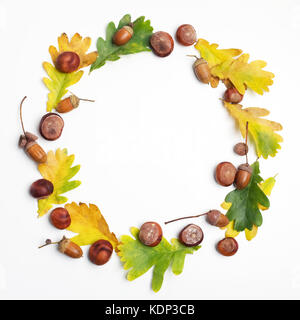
(262, 131)
(230, 232)
(213, 55)
(243, 205)
(267, 187)
(90, 225)
(108, 51)
(58, 169)
(76, 44)
(243, 74)
(138, 258)
(57, 83)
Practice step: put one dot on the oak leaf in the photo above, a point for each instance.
(58, 169)
(213, 55)
(243, 74)
(262, 131)
(76, 44)
(90, 225)
(138, 258)
(244, 203)
(57, 83)
(108, 51)
(250, 199)
(267, 187)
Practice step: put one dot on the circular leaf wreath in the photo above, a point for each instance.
(243, 207)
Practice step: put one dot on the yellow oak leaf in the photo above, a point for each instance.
(58, 169)
(90, 225)
(230, 232)
(267, 187)
(214, 81)
(58, 83)
(243, 74)
(213, 55)
(226, 205)
(262, 131)
(250, 234)
(76, 44)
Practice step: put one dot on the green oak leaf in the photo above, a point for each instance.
(245, 203)
(138, 258)
(108, 51)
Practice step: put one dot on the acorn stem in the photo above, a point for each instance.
(246, 141)
(21, 118)
(188, 217)
(81, 98)
(86, 100)
(48, 242)
(193, 56)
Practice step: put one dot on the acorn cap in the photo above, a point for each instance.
(63, 243)
(30, 136)
(129, 29)
(199, 61)
(246, 167)
(74, 100)
(22, 141)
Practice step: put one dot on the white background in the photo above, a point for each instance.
(148, 148)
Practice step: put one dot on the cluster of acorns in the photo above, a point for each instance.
(225, 174)
(191, 235)
(51, 126)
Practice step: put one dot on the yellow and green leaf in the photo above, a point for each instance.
(244, 204)
(213, 55)
(267, 187)
(262, 131)
(138, 258)
(58, 169)
(90, 225)
(78, 45)
(57, 83)
(245, 75)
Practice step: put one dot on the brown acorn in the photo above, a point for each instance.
(201, 70)
(216, 218)
(243, 176)
(123, 35)
(27, 141)
(36, 152)
(67, 247)
(70, 103)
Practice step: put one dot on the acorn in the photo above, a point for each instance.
(243, 176)
(201, 69)
(123, 35)
(27, 141)
(70, 103)
(67, 247)
(35, 152)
